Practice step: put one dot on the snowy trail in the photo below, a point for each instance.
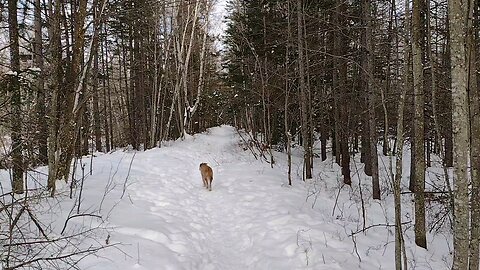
(213, 224)
(250, 220)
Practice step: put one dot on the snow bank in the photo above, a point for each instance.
(251, 219)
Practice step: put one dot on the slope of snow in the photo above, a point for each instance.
(158, 212)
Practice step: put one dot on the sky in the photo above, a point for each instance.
(218, 24)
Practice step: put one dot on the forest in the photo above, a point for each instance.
(335, 78)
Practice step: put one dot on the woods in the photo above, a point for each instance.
(353, 80)
(107, 72)
(377, 73)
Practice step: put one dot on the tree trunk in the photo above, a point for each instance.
(399, 243)
(267, 130)
(343, 89)
(336, 148)
(303, 92)
(448, 130)
(15, 100)
(475, 153)
(366, 158)
(324, 128)
(417, 48)
(288, 134)
(131, 106)
(457, 11)
(42, 134)
(95, 97)
(370, 77)
(398, 179)
(388, 83)
(109, 134)
(54, 117)
(474, 91)
(201, 79)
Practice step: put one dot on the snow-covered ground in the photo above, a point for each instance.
(154, 206)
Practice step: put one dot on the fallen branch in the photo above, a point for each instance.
(376, 225)
(336, 199)
(36, 222)
(128, 174)
(78, 215)
(88, 251)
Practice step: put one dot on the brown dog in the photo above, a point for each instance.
(207, 175)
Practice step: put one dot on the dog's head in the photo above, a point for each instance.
(202, 164)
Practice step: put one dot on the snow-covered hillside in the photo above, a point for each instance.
(155, 207)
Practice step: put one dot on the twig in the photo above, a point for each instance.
(247, 144)
(110, 182)
(128, 174)
(78, 215)
(138, 253)
(15, 221)
(426, 192)
(90, 250)
(37, 223)
(377, 225)
(37, 242)
(364, 215)
(355, 247)
(91, 164)
(336, 199)
(81, 186)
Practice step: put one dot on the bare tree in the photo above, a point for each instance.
(474, 99)
(53, 114)
(369, 76)
(342, 108)
(303, 92)
(288, 134)
(417, 49)
(94, 77)
(399, 242)
(458, 11)
(15, 100)
(40, 106)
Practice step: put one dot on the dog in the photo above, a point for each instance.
(207, 175)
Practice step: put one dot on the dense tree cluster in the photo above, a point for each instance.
(78, 75)
(361, 74)
(105, 74)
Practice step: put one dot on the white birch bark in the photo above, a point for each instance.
(457, 15)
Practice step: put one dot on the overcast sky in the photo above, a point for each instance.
(218, 17)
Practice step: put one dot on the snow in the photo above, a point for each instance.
(218, 23)
(11, 73)
(158, 212)
(35, 69)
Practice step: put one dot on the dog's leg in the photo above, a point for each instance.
(210, 184)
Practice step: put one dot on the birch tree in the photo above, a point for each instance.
(399, 242)
(191, 109)
(457, 12)
(474, 99)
